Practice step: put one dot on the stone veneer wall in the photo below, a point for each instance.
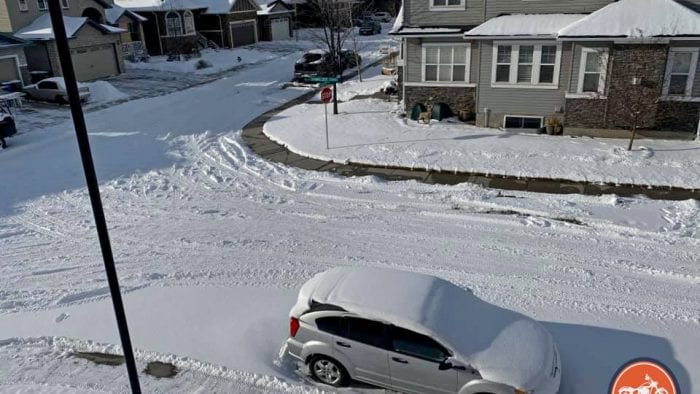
(588, 113)
(458, 98)
(648, 62)
(677, 115)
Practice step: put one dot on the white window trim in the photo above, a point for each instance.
(540, 118)
(64, 4)
(537, 58)
(45, 7)
(23, 5)
(179, 18)
(467, 66)
(433, 7)
(603, 71)
(691, 73)
(189, 14)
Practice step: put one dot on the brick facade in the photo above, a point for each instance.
(457, 98)
(588, 113)
(645, 61)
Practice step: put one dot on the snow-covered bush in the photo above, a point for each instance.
(201, 64)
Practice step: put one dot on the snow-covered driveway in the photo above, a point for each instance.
(206, 234)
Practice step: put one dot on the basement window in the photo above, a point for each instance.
(23, 5)
(522, 122)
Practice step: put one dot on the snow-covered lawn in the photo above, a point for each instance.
(212, 243)
(371, 131)
(219, 60)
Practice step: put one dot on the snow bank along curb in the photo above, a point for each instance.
(286, 130)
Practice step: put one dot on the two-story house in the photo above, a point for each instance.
(176, 26)
(588, 63)
(94, 40)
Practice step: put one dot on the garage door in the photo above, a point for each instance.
(94, 62)
(280, 29)
(8, 70)
(243, 33)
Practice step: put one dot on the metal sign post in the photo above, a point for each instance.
(59, 31)
(326, 96)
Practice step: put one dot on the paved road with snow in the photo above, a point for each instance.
(215, 241)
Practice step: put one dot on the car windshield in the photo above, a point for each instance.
(312, 57)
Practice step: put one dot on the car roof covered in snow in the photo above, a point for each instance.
(501, 344)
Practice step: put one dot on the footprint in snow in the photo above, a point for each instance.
(62, 317)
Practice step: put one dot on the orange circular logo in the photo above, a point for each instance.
(644, 376)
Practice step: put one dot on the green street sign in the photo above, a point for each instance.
(323, 79)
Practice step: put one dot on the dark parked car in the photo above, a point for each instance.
(370, 27)
(316, 62)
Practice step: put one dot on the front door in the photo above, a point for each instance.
(413, 362)
(364, 343)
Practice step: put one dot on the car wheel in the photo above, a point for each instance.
(327, 370)
(61, 100)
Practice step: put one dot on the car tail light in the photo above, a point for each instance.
(293, 326)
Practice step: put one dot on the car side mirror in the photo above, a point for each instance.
(450, 363)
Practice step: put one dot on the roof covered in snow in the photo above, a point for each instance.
(398, 22)
(113, 14)
(7, 40)
(426, 31)
(637, 19)
(524, 25)
(501, 344)
(274, 7)
(211, 6)
(42, 29)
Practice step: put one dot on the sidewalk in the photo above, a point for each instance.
(262, 145)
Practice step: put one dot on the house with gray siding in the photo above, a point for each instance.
(516, 63)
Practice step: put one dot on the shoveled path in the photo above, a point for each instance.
(255, 138)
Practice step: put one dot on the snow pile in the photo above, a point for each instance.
(220, 60)
(104, 92)
(369, 86)
(366, 131)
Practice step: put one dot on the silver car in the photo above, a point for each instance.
(417, 333)
(54, 89)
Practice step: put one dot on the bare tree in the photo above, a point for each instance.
(335, 20)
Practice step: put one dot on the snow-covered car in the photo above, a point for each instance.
(312, 63)
(382, 16)
(416, 333)
(54, 89)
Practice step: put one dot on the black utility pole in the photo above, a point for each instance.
(59, 31)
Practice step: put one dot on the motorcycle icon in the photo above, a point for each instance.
(645, 388)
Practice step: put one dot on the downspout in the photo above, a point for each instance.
(221, 31)
(571, 66)
(403, 71)
(160, 40)
(477, 91)
(484, 17)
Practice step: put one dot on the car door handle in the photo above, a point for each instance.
(399, 360)
(343, 344)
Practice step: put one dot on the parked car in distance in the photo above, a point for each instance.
(370, 27)
(382, 16)
(54, 89)
(416, 333)
(314, 62)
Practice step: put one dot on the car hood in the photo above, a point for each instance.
(520, 355)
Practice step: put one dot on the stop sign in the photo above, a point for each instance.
(326, 95)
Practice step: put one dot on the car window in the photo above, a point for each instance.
(312, 57)
(365, 331)
(48, 85)
(414, 344)
(331, 324)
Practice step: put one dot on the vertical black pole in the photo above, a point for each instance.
(93, 188)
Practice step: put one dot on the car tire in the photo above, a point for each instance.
(328, 371)
(61, 100)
